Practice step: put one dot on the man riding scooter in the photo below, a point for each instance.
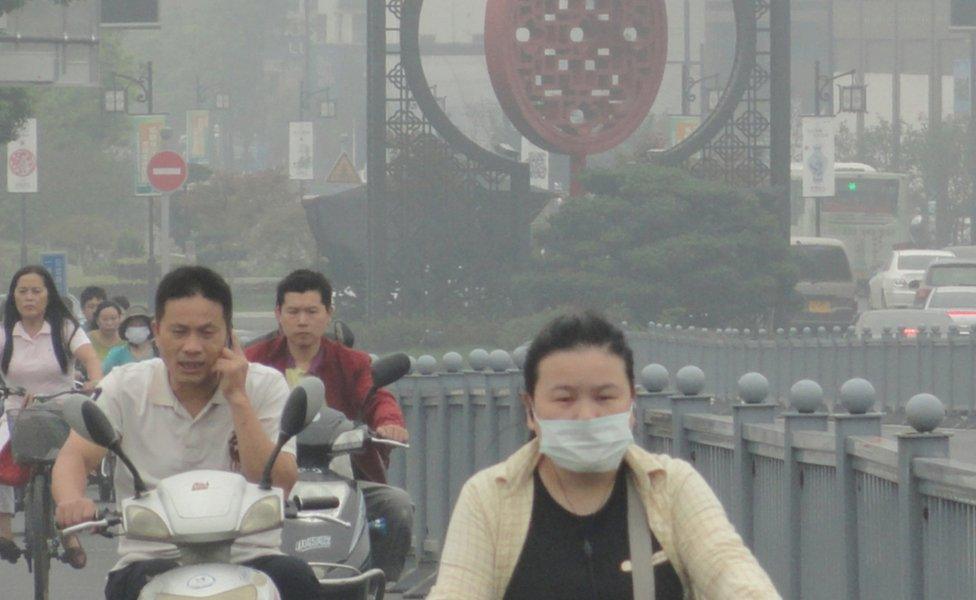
(200, 405)
(304, 309)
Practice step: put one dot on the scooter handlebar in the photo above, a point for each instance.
(385, 442)
(315, 502)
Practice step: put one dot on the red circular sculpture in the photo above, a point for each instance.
(576, 76)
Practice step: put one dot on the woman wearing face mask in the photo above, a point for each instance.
(581, 512)
(135, 330)
(106, 336)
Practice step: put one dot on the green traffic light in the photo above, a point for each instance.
(852, 186)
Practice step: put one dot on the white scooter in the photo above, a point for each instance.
(201, 512)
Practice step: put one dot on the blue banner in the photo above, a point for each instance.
(57, 264)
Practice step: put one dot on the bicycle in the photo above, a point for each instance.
(37, 433)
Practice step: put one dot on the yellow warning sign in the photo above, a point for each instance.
(344, 172)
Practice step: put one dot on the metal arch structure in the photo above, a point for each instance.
(745, 140)
(419, 162)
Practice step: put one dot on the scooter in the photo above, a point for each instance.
(336, 541)
(203, 512)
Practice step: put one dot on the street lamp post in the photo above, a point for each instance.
(852, 99)
(115, 101)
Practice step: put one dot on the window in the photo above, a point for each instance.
(942, 299)
(952, 275)
(915, 262)
(821, 263)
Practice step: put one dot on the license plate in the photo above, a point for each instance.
(818, 306)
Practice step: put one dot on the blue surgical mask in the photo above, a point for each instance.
(592, 446)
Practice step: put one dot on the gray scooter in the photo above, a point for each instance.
(333, 534)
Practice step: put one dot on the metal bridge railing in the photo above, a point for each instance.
(900, 366)
(830, 508)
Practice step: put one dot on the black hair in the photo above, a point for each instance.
(305, 280)
(122, 301)
(568, 332)
(189, 281)
(56, 314)
(102, 306)
(93, 291)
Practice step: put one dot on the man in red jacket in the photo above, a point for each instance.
(304, 310)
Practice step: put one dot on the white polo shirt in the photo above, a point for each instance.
(162, 439)
(33, 364)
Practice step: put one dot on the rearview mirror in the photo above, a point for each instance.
(389, 369)
(914, 284)
(87, 420)
(304, 403)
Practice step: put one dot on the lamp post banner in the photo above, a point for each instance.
(538, 161)
(818, 157)
(22, 160)
(301, 158)
(198, 137)
(149, 141)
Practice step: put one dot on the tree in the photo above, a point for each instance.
(655, 243)
(14, 110)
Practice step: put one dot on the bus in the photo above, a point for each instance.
(869, 213)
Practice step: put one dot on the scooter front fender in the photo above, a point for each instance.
(212, 581)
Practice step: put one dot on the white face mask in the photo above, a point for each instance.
(137, 335)
(593, 446)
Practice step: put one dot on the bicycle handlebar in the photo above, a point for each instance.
(108, 519)
(19, 391)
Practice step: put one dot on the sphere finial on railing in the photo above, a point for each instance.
(500, 361)
(753, 388)
(478, 359)
(857, 396)
(654, 378)
(924, 412)
(690, 380)
(426, 364)
(806, 396)
(453, 362)
(519, 354)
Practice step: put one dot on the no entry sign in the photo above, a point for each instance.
(166, 171)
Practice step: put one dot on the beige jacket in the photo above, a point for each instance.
(491, 521)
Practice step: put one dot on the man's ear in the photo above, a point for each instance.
(529, 415)
(154, 325)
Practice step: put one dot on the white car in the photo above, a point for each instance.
(957, 301)
(889, 288)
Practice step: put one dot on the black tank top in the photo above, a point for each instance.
(568, 557)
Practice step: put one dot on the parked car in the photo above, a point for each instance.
(890, 287)
(956, 301)
(947, 271)
(825, 283)
(904, 321)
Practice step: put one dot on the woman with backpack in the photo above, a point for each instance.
(39, 345)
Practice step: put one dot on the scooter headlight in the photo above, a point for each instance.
(263, 515)
(142, 523)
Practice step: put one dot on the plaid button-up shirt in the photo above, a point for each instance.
(491, 521)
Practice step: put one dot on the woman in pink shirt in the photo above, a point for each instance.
(39, 344)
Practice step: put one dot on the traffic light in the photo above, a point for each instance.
(962, 14)
(852, 186)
